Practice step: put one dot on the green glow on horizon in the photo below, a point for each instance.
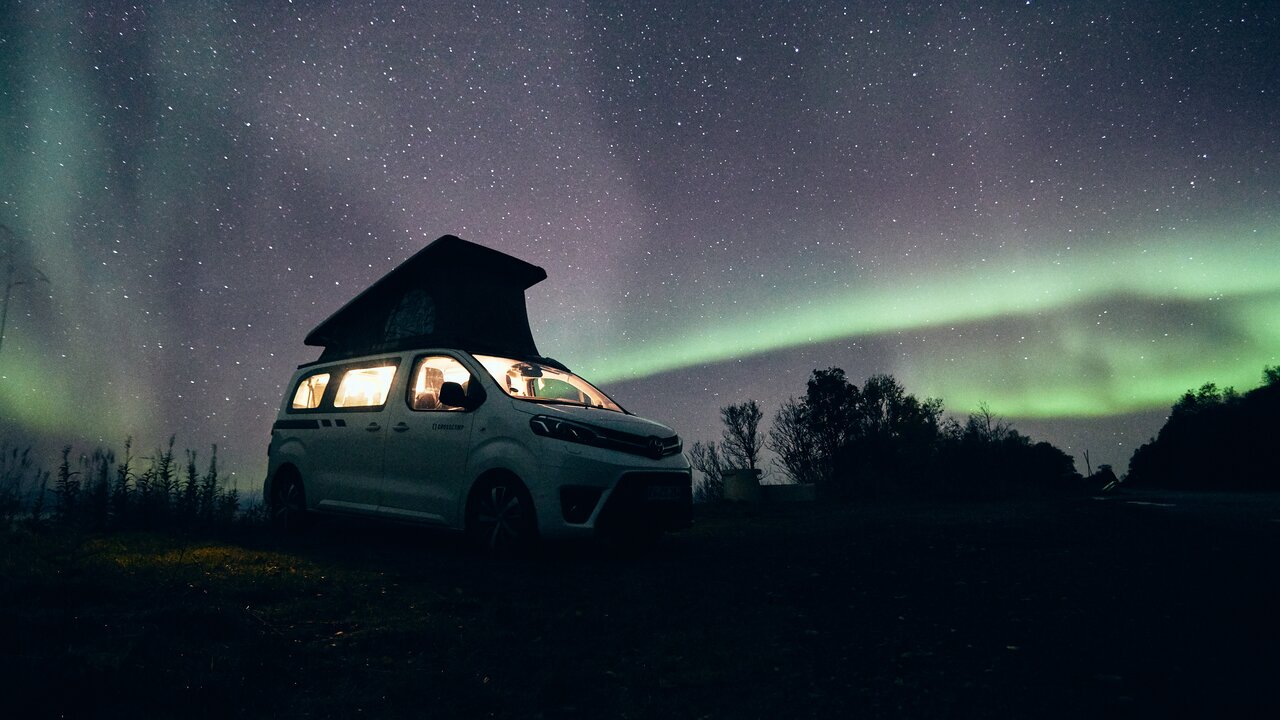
(44, 395)
(1112, 375)
(1232, 276)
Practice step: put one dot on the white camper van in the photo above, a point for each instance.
(430, 404)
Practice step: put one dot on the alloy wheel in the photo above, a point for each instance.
(503, 517)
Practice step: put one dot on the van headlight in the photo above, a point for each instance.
(565, 430)
(648, 445)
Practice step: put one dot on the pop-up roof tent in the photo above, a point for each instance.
(451, 294)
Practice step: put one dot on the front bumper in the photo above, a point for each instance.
(648, 500)
(591, 492)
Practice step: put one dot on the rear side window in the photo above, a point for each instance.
(429, 375)
(364, 387)
(310, 391)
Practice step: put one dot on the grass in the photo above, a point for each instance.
(1058, 608)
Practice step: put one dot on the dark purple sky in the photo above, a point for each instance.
(1065, 210)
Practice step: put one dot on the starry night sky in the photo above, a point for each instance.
(1068, 211)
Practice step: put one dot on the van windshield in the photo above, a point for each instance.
(541, 383)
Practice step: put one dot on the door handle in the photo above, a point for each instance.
(400, 426)
(373, 427)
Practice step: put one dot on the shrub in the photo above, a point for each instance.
(98, 492)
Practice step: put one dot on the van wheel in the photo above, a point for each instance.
(500, 515)
(288, 504)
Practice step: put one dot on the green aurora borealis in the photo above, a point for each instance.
(1061, 364)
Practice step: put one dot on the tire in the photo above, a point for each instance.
(501, 517)
(289, 504)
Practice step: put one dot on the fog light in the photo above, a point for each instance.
(577, 503)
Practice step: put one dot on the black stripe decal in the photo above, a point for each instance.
(296, 425)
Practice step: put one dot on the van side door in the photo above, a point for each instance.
(426, 453)
(345, 459)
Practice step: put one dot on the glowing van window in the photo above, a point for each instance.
(432, 373)
(536, 382)
(310, 391)
(365, 387)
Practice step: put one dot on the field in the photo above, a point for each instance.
(1064, 608)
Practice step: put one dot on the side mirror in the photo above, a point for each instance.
(452, 395)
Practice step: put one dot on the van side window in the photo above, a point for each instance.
(310, 391)
(364, 387)
(429, 375)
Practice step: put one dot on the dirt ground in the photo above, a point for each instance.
(1138, 606)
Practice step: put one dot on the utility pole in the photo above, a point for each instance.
(10, 271)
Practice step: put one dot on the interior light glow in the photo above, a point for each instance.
(535, 381)
(431, 375)
(365, 387)
(310, 391)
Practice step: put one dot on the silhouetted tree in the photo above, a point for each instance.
(1215, 440)
(881, 440)
(849, 440)
(707, 460)
(894, 440)
(741, 441)
(985, 456)
(984, 426)
(792, 441)
(809, 432)
(831, 415)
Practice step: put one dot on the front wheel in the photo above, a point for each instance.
(500, 516)
(288, 504)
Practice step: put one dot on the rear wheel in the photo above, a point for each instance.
(288, 504)
(500, 515)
